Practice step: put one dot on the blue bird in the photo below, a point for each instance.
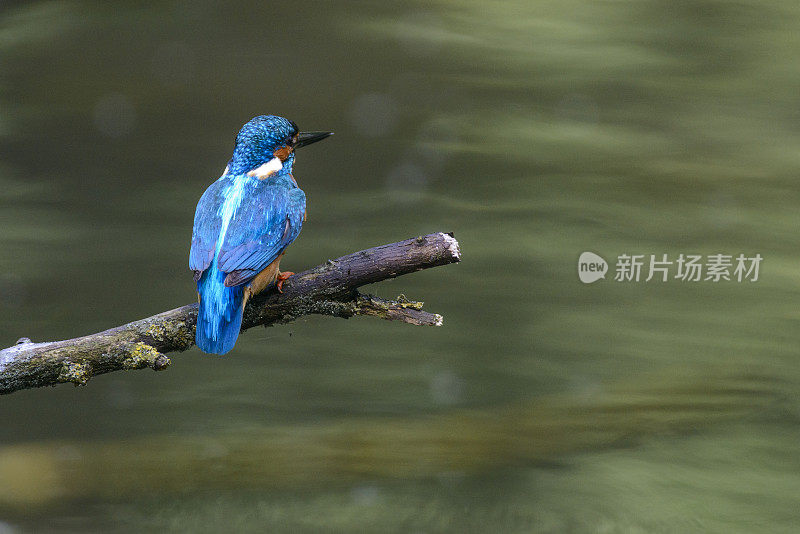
(243, 224)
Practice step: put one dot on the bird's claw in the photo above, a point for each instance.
(282, 277)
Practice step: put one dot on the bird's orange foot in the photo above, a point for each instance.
(282, 277)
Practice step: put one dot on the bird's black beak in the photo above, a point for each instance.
(306, 138)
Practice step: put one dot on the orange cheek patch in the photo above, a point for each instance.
(282, 152)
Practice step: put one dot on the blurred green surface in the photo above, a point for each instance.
(532, 130)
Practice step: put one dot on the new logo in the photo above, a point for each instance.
(591, 267)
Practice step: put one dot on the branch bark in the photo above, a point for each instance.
(328, 289)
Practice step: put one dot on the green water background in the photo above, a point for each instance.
(532, 130)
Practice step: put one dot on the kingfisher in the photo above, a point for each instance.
(243, 223)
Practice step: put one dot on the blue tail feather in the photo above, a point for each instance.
(219, 319)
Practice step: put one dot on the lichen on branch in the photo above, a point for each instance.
(328, 289)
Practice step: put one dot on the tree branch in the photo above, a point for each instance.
(328, 289)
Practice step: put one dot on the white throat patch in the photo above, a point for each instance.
(267, 169)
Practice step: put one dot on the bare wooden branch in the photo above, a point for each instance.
(329, 289)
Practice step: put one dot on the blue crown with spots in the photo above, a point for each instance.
(258, 139)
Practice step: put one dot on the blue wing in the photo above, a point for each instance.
(206, 229)
(265, 223)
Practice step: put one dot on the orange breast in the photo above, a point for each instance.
(265, 277)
